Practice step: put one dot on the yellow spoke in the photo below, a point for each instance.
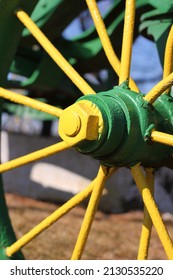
(27, 101)
(47, 222)
(100, 180)
(128, 31)
(54, 53)
(160, 88)
(102, 32)
(48, 151)
(153, 211)
(168, 59)
(161, 137)
(104, 38)
(147, 222)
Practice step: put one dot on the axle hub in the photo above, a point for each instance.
(115, 127)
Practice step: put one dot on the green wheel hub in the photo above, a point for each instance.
(128, 122)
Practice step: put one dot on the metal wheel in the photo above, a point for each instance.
(119, 127)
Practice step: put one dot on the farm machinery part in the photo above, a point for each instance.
(118, 127)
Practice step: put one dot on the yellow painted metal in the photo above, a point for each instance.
(87, 123)
(39, 154)
(102, 176)
(153, 211)
(147, 222)
(160, 88)
(104, 38)
(128, 31)
(27, 101)
(102, 32)
(80, 121)
(168, 58)
(47, 222)
(161, 137)
(54, 53)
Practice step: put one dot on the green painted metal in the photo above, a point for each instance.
(156, 23)
(128, 122)
(10, 33)
(128, 119)
(7, 236)
(84, 52)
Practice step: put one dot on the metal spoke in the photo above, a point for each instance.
(153, 211)
(54, 53)
(55, 216)
(161, 137)
(168, 58)
(27, 101)
(147, 222)
(103, 35)
(127, 43)
(104, 38)
(103, 174)
(48, 151)
(160, 88)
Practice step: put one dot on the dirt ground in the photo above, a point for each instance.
(114, 236)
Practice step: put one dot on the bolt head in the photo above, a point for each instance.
(71, 123)
(79, 122)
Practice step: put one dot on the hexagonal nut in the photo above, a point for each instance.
(79, 122)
